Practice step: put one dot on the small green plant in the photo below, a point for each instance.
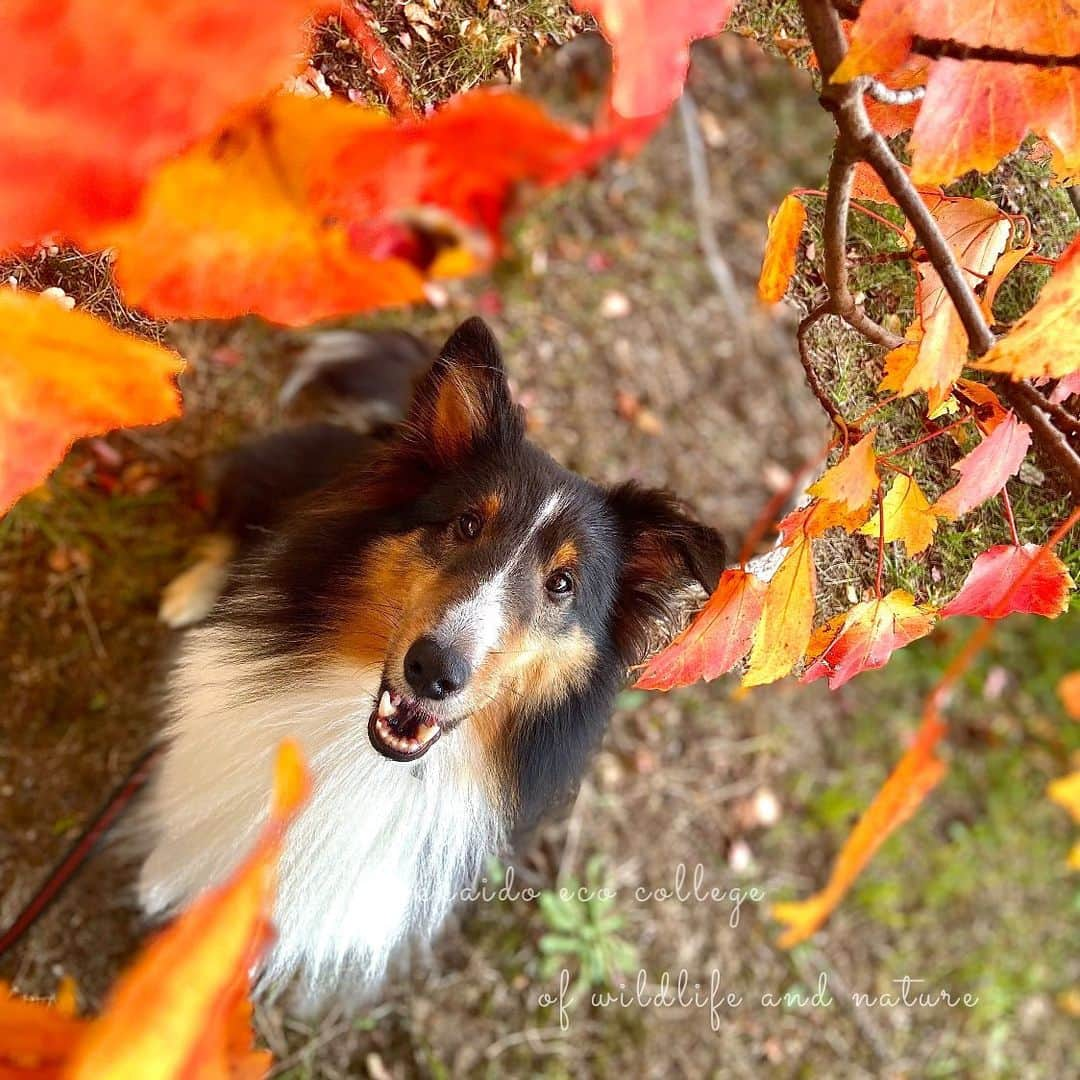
(584, 931)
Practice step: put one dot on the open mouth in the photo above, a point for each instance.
(401, 728)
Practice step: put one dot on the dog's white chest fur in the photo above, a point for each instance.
(378, 856)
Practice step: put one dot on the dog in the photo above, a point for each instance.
(442, 619)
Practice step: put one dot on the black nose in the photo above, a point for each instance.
(435, 671)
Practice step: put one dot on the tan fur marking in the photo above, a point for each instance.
(459, 414)
(567, 555)
(191, 595)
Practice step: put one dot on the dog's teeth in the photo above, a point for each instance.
(425, 734)
(385, 707)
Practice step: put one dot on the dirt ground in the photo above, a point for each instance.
(622, 348)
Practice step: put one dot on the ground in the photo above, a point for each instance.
(629, 363)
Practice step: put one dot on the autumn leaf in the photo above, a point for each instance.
(1066, 388)
(1046, 341)
(915, 775)
(852, 481)
(975, 112)
(36, 1037)
(978, 232)
(715, 641)
(95, 96)
(1008, 262)
(787, 618)
(897, 364)
(309, 208)
(66, 374)
(1069, 692)
(986, 406)
(985, 471)
(650, 40)
(994, 587)
(182, 1009)
(908, 517)
(781, 248)
(871, 632)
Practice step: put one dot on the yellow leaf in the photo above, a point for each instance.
(783, 631)
(66, 374)
(907, 517)
(851, 482)
(781, 247)
(1046, 341)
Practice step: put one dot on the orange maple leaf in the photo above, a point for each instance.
(309, 208)
(915, 775)
(1046, 341)
(66, 374)
(908, 517)
(975, 112)
(182, 1009)
(986, 470)
(715, 641)
(852, 481)
(978, 232)
(650, 40)
(871, 632)
(787, 617)
(781, 249)
(95, 96)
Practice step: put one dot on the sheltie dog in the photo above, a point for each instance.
(442, 620)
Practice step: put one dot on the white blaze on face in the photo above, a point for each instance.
(475, 625)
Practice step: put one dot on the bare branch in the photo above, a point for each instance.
(837, 205)
(703, 210)
(1062, 418)
(1047, 437)
(946, 48)
(812, 380)
(856, 138)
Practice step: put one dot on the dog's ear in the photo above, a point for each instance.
(668, 559)
(463, 403)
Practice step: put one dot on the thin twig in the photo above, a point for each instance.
(1074, 197)
(1061, 416)
(703, 211)
(359, 22)
(812, 380)
(1051, 441)
(948, 49)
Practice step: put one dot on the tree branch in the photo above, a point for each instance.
(857, 137)
(948, 49)
(812, 380)
(1062, 418)
(837, 205)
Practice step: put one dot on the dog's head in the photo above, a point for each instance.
(498, 596)
(502, 586)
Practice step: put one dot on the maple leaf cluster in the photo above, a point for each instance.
(220, 195)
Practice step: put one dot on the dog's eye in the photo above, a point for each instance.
(559, 584)
(468, 525)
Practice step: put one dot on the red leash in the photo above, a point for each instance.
(82, 848)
